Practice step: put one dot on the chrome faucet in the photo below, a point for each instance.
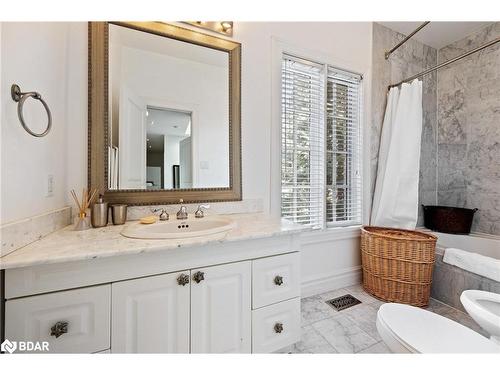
(163, 213)
(182, 214)
(199, 212)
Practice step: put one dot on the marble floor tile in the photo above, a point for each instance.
(358, 292)
(377, 304)
(465, 320)
(314, 309)
(365, 317)
(353, 330)
(456, 315)
(438, 307)
(343, 335)
(378, 348)
(311, 342)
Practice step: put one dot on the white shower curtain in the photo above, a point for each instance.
(395, 202)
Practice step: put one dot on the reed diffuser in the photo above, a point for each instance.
(83, 220)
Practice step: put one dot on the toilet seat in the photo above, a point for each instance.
(409, 329)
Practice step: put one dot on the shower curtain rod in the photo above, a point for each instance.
(388, 53)
(430, 70)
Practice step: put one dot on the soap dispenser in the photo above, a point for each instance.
(99, 213)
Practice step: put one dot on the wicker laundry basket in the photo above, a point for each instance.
(397, 264)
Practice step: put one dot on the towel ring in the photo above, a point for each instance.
(20, 98)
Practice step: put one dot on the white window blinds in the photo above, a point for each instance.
(343, 148)
(320, 144)
(302, 149)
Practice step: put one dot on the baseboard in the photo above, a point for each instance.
(326, 282)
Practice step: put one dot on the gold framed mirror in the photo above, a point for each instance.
(164, 114)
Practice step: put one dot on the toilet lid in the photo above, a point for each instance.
(426, 332)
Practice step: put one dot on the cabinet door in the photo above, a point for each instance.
(151, 315)
(74, 321)
(221, 309)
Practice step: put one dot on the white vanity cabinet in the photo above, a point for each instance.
(221, 309)
(206, 310)
(151, 314)
(239, 297)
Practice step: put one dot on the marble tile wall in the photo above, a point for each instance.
(469, 129)
(411, 58)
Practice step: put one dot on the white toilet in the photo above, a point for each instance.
(409, 329)
(484, 308)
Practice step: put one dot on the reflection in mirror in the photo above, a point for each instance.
(168, 115)
(168, 158)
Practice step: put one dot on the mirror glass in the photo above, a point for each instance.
(168, 113)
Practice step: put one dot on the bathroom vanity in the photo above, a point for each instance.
(95, 291)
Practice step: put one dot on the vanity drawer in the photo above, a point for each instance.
(86, 312)
(276, 326)
(275, 279)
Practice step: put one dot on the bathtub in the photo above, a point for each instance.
(449, 281)
(485, 245)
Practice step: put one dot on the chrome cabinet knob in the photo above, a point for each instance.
(278, 327)
(183, 279)
(198, 277)
(278, 280)
(58, 329)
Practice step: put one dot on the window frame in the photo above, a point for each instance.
(279, 49)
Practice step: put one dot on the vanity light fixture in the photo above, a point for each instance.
(221, 27)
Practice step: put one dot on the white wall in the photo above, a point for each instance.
(171, 157)
(50, 58)
(328, 259)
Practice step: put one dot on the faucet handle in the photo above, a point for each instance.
(163, 213)
(182, 213)
(199, 212)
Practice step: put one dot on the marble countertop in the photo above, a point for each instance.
(68, 245)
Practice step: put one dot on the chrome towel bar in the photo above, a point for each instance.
(20, 98)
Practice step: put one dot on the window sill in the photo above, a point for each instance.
(331, 234)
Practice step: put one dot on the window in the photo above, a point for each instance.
(320, 144)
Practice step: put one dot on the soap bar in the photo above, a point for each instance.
(148, 220)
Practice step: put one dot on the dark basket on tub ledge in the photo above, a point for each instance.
(397, 264)
(445, 219)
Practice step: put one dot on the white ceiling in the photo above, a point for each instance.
(162, 122)
(437, 34)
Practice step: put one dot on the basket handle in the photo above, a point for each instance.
(475, 209)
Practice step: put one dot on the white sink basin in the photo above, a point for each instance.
(179, 229)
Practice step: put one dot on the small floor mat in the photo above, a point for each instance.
(343, 302)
